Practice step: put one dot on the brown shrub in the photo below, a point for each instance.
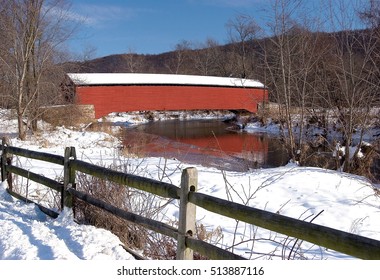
(68, 115)
(153, 245)
(113, 194)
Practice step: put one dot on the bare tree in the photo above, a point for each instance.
(34, 30)
(89, 53)
(352, 89)
(134, 61)
(176, 63)
(370, 14)
(5, 76)
(205, 57)
(242, 32)
(290, 57)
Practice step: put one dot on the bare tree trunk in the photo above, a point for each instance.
(33, 34)
(243, 30)
(176, 63)
(205, 58)
(289, 57)
(355, 76)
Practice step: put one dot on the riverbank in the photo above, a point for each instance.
(335, 199)
(135, 118)
(209, 142)
(319, 149)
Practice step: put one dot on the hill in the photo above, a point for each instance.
(244, 59)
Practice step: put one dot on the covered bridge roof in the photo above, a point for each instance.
(93, 79)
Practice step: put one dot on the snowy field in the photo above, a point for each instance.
(334, 199)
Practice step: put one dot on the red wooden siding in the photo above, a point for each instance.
(119, 98)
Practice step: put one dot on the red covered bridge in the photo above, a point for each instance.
(125, 92)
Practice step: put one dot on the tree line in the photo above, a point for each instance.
(324, 66)
(324, 69)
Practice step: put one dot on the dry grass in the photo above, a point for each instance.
(115, 195)
(152, 245)
(68, 115)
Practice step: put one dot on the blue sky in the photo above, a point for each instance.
(156, 26)
(153, 26)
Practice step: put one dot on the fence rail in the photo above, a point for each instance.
(144, 184)
(189, 199)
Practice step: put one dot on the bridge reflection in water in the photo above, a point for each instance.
(206, 142)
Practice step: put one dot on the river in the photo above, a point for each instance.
(206, 142)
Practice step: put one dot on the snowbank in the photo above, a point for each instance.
(27, 234)
(342, 201)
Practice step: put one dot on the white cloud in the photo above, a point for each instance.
(63, 13)
(99, 14)
(76, 17)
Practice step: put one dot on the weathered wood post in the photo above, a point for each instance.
(68, 177)
(187, 219)
(6, 159)
(3, 161)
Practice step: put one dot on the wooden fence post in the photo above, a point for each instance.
(6, 159)
(68, 178)
(186, 227)
(3, 161)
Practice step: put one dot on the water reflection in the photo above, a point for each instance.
(207, 142)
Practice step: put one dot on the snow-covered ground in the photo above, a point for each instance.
(339, 200)
(28, 234)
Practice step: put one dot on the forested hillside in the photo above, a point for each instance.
(331, 79)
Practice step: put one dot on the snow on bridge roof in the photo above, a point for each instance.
(90, 79)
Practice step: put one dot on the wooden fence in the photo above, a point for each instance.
(189, 199)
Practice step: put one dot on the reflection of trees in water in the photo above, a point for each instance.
(196, 142)
(210, 142)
